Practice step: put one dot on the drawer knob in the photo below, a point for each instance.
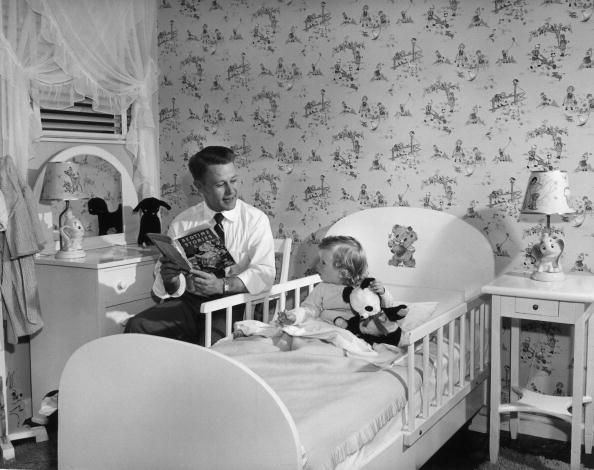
(122, 285)
(535, 307)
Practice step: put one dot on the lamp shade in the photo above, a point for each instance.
(547, 193)
(62, 182)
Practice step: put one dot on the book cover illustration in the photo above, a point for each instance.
(206, 252)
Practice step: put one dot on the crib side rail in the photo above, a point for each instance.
(286, 293)
(468, 326)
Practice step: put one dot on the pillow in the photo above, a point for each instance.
(418, 313)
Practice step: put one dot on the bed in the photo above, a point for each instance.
(136, 401)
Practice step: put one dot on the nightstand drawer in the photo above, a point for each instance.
(125, 283)
(547, 308)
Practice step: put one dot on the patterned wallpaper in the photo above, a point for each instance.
(337, 106)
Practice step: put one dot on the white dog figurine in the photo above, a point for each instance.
(547, 254)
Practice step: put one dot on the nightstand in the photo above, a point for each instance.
(76, 296)
(516, 296)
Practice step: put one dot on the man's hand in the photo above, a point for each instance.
(205, 284)
(170, 274)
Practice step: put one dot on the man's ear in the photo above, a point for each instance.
(346, 294)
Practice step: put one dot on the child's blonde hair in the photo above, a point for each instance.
(348, 258)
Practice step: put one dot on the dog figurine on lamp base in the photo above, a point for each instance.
(149, 221)
(548, 254)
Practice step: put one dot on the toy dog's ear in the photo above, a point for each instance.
(366, 282)
(137, 208)
(346, 294)
(165, 205)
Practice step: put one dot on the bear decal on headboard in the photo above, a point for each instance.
(400, 242)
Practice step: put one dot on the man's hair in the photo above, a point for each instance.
(348, 258)
(208, 156)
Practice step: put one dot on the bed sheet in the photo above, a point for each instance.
(340, 404)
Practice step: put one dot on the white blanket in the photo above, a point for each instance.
(339, 400)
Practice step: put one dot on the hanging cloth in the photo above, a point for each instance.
(21, 240)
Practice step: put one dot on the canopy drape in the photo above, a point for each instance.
(55, 52)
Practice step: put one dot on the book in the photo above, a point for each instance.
(167, 248)
(206, 251)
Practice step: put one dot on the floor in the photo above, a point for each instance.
(466, 450)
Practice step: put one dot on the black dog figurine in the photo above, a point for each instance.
(107, 220)
(149, 221)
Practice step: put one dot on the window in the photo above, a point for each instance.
(81, 121)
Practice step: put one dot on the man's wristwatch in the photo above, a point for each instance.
(225, 286)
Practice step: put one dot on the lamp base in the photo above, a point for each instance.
(72, 254)
(548, 277)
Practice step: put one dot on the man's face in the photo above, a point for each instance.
(218, 186)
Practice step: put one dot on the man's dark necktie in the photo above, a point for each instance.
(218, 228)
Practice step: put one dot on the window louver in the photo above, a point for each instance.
(82, 119)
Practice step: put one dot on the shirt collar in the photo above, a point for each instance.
(231, 215)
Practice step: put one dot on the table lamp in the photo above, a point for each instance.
(62, 182)
(547, 194)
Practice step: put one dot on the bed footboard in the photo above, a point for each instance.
(467, 325)
(144, 402)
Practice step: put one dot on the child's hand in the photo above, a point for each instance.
(377, 287)
(286, 318)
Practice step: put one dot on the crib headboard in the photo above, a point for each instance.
(419, 247)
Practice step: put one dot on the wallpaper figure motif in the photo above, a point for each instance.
(336, 106)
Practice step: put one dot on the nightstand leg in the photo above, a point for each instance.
(495, 394)
(589, 418)
(577, 393)
(514, 420)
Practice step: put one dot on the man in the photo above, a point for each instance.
(247, 236)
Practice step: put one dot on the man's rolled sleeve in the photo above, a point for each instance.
(260, 273)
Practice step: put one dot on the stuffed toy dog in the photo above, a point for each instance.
(107, 220)
(149, 221)
(371, 322)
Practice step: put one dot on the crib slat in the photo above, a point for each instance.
(462, 373)
(283, 301)
(451, 358)
(481, 338)
(472, 342)
(228, 320)
(266, 313)
(208, 329)
(439, 367)
(426, 389)
(411, 392)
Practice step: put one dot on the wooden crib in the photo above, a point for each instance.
(135, 401)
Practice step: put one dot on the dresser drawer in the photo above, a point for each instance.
(547, 308)
(125, 283)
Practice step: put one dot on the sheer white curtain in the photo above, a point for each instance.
(63, 50)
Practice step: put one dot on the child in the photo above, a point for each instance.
(342, 262)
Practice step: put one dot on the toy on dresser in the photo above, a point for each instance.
(107, 220)
(149, 221)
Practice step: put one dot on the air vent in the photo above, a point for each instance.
(82, 119)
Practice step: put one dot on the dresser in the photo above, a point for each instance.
(76, 296)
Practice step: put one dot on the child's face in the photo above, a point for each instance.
(328, 273)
